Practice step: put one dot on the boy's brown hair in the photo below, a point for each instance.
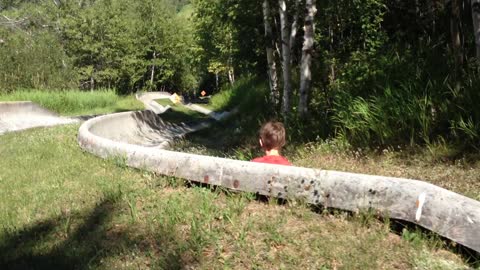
(272, 135)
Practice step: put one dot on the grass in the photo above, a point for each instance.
(179, 113)
(76, 102)
(247, 93)
(63, 208)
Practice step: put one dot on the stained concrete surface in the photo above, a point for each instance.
(144, 128)
(19, 115)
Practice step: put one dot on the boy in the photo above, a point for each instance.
(272, 139)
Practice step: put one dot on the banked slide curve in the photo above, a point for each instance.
(449, 214)
(141, 138)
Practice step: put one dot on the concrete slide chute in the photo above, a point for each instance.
(142, 138)
(19, 115)
(447, 213)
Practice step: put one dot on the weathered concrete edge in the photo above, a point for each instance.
(148, 100)
(449, 214)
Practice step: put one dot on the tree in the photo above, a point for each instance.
(306, 61)
(272, 68)
(294, 28)
(456, 35)
(476, 25)
(286, 54)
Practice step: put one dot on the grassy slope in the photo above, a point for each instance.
(61, 207)
(75, 102)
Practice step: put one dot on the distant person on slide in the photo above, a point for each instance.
(272, 139)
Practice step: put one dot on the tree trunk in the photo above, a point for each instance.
(231, 76)
(287, 88)
(272, 68)
(476, 25)
(432, 12)
(152, 75)
(293, 32)
(92, 83)
(307, 49)
(456, 35)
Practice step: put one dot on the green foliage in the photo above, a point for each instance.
(122, 44)
(230, 35)
(398, 100)
(381, 69)
(396, 115)
(247, 93)
(33, 60)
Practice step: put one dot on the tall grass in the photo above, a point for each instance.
(75, 101)
(407, 100)
(247, 94)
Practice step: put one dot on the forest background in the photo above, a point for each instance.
(366, 72)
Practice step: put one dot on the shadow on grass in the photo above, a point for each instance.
(87, 246)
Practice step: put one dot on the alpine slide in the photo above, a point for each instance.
(142, 139)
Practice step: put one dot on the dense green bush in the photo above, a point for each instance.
(33, 60)
(400, 98)
(122, 44)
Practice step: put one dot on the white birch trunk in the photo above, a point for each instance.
(307, 49)
(293, 32)
(287, 88)
(92, 83)
(152, 74)
(231, 76)
(456, 36)
(272, 68)
(476, 25)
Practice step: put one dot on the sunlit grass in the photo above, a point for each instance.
(64, 208)
(76, 102)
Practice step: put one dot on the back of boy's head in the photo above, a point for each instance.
(272, 135)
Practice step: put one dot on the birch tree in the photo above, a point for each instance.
(294, 28)
(476, 25)
(286, 54)
(456, 35)
(306, 61)
(272, 68)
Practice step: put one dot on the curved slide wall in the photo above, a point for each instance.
(139, 137)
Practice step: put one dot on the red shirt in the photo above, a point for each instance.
(273, 160)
